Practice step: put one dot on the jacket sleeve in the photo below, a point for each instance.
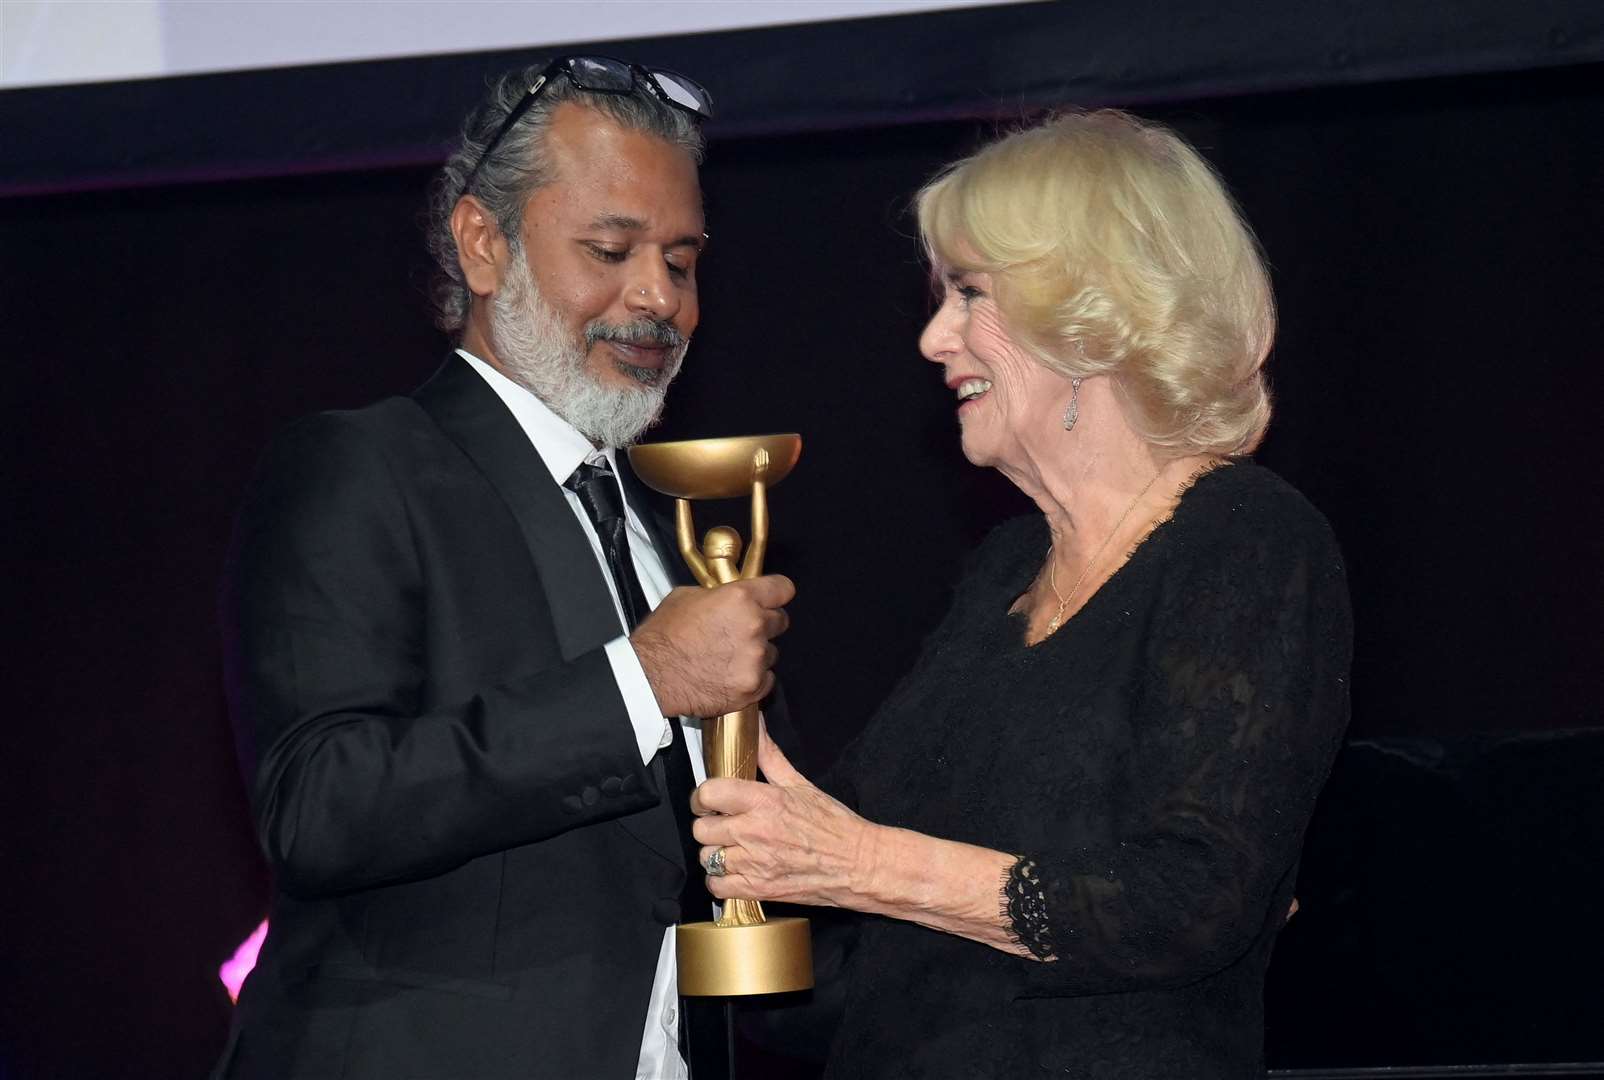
(358, 777)
(1241, 711)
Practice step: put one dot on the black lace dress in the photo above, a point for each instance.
(1154, 763)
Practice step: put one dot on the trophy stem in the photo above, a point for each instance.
(742, 913)
(729, 744)
(729, 748)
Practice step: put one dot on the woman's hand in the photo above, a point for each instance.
(784, 840)
(787, 840)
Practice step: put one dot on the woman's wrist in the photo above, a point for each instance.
(866, 874)
(942, 884)
(899, 871)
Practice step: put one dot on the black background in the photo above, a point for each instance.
(1437, 246)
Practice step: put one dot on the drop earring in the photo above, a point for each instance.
(1072, 413)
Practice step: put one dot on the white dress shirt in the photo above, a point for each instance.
(562, 449)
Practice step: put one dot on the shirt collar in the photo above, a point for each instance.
(558, 443)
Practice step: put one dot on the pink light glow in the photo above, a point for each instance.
(239, 965)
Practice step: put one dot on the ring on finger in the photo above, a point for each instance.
(715, 863)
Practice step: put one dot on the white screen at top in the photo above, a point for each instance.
(67, 41)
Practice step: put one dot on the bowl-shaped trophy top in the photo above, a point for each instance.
(714, 468)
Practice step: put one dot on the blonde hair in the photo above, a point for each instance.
(1115, 250)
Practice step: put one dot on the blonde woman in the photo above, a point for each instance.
(1078, 818)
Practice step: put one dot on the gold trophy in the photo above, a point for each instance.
(743, 952)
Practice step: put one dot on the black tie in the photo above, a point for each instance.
(704, 1031)
(598, 493)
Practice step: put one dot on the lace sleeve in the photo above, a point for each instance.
(1024, 909)
(1243, 701)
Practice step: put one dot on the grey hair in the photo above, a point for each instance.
(519, 166)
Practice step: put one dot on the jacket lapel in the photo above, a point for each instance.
(582, 611)
(469, 412)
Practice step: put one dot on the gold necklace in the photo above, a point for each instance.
(1052, 568)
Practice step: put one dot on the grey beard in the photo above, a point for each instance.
(531, 342)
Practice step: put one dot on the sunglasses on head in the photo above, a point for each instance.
(604, 75)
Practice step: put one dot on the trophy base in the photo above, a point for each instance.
(736, 961)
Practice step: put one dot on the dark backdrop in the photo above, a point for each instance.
(1436, 246)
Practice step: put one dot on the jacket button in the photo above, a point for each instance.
(629, 783)
(611, 785)
(590, 795)
(666, 912)
(572, 804)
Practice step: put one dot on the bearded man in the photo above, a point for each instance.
(457, 661)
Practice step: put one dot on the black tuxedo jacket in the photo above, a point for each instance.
(473, 867)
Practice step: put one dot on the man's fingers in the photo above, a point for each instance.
(775, 622)
(771, 590)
